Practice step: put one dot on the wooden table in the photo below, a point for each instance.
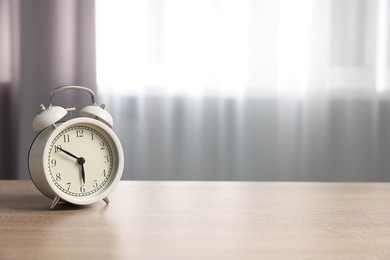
(201, 220)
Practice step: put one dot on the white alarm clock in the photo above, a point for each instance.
(80, 160)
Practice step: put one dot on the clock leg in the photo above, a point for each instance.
(106, 200)
(55, 202)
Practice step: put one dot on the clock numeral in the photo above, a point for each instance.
(102, 144)
(57, 149)
(92, 136)
(106, 159)
(79, 133)
(104, 173)
(69, 184)
(66, 139)
(95, 184)
(58, 177)
(53, 163)
(82, 188)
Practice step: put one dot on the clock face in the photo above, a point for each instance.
(81, 160)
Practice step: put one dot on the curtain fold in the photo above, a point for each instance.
(253, 90)
(46, 44)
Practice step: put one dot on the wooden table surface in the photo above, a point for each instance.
(201, 220)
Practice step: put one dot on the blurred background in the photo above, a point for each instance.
(246, 90)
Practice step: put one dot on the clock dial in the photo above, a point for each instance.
(80, 160)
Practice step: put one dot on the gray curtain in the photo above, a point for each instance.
(43, 44)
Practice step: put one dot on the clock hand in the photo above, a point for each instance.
(80, 160)
(68, 153)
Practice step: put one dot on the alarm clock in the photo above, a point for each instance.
(79, 160)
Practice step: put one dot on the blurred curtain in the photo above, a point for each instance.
(248, 89)
(43, 44)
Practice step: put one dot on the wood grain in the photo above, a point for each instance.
(201, 220)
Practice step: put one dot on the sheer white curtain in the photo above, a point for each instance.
(248, 90)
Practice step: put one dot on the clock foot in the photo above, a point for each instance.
(106, 200)
(55, 202)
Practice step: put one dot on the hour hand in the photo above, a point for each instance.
(68, 153)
